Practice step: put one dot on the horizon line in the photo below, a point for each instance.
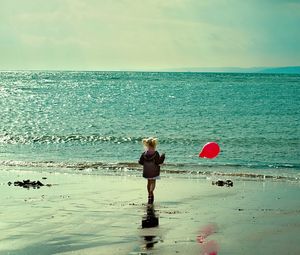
(168, 70)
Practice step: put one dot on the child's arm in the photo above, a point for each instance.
(141, 160)
(160, 158)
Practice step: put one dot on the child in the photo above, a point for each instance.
(150, 159)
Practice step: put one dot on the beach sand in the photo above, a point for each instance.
(103, 214)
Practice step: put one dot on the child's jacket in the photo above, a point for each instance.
(151, 163)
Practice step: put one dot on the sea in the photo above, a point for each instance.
(94, 122)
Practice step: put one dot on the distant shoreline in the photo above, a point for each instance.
(268, 70)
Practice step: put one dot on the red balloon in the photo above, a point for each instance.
(210, 150)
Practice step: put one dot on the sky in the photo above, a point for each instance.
(148, 34)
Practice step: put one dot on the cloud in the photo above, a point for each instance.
(128, 34)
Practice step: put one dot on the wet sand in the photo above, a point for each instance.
(102, 214)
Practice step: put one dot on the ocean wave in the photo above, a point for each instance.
(56, 139)
(188, 170)
(8, 138)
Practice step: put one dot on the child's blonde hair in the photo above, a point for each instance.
(150, 142)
